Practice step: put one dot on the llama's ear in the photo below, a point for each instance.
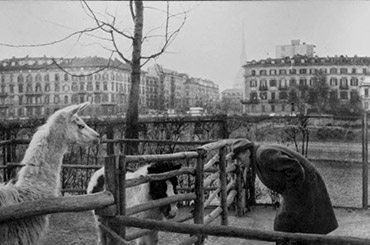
(71, 110)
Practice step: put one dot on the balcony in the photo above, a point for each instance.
(283, 88)
(3, 94)
(247, 102)
(263, 88)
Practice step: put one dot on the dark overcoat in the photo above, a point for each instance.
(306, 205)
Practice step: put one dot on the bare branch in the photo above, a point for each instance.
(117, 49)
(77, 33)
(108, 65)
(132, 10)
(169, 38)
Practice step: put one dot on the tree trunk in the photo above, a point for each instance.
(132, 123)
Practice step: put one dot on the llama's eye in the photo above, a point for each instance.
(80, 126)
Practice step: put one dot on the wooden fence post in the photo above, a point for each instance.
(239, 190)
(122, 191)
(223, 184)
(365, 161)
(111, 186)
(199, 192)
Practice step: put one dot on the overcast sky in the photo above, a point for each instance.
(209, 44)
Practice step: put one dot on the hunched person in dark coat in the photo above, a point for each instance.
(306, 205)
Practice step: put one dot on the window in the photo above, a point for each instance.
(272, 72)
(74, 86)
(97, 86)
(292, 82)
(343, 95)
(82, 86)
(56, 77)
(97, 99)
(263, 72)
(253, 83)
(38, 78)
(283, 83)
(302, 82)
(343, 83)
(273, 83)
(343, 70)
(46, 77)
(56, 99)
(263, 84)
(282, 72)
(302, 71)
(333, 70)
(354, 81)
(29, 78)
(47, 87)
(3, 78)
(354, 71)
(56, 87)
(66, 77)
(47, 100)
(333, 81)
(253, 72)
(38, 88)
(273, 96)
(89, 86)
(66, 99)
(263, 95)
(74, 99)
(272, 108)
(292, 71)
(105, 86)
(20, 88)
(283, 95)
(366, 93)
(20, 79)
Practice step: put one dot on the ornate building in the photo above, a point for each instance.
(267, 81)
(230, 101)
(36, 87)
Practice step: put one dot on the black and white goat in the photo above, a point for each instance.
(141, 194)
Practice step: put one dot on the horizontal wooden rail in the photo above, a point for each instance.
(55, 205)
(163, 157)
(159, 202)
(155, 177)
(237, 232)
(216, 144)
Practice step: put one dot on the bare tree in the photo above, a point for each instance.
(137, 58)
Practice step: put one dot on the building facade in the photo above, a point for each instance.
(295, 48)
(267, 82)
(36, 87)
(231, 101)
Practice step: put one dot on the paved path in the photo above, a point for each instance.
(78, 229)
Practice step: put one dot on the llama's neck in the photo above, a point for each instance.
(43, 160)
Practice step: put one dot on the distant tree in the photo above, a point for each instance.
(318, 96)
(334, 102)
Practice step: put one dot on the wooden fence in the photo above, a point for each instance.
(111, 203)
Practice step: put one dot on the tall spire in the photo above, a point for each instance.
(243, 56)
(239, 79)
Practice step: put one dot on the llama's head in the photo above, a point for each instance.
(72, 127)
(164, 188)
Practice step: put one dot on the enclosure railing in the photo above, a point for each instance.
(110, 205)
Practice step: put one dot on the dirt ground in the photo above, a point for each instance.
(79, 229)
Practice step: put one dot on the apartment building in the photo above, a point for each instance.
(267, 81)
(231, 101)
(37, 86)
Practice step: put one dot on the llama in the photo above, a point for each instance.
(141, 194)
(40, 175)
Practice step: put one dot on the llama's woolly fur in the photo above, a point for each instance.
(37, 179)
